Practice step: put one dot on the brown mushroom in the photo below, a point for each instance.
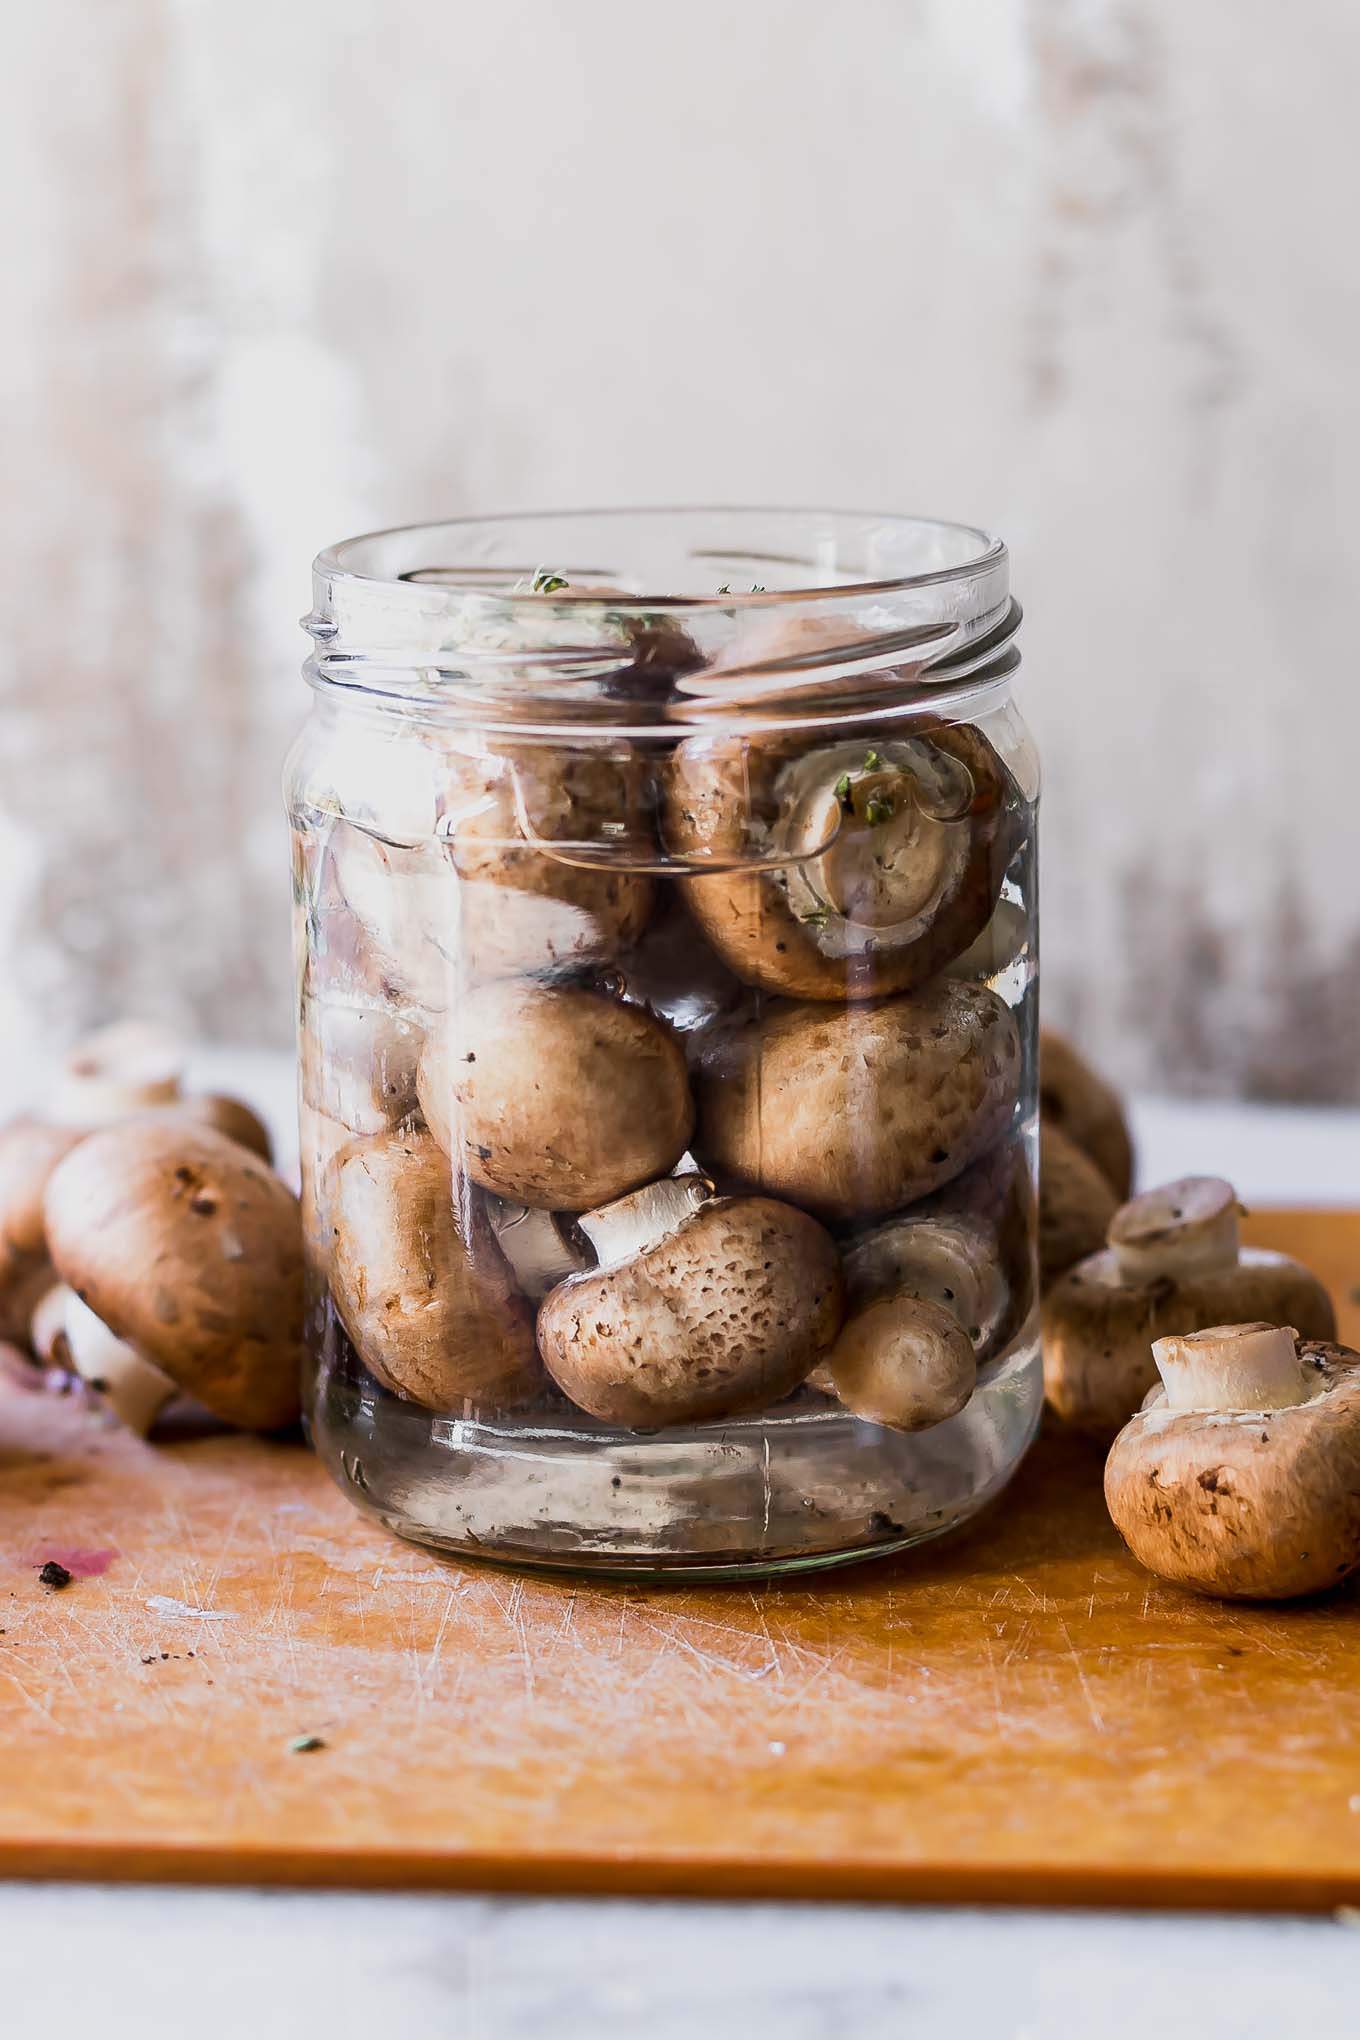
(701, 1307)
(231, 1116)
(1241, 1477)
(952, 1260)
(843, 869)
(1076, 1205)
(29, 1152)
(556, 1096)
(1077, 1100)
(1173, 1266)
(423, 1291)
(903, 1362)
(185, 1245)
(122, 1068)
(860, 1109)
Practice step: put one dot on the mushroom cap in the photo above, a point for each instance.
(427, 1299)
(188, 1247)
(231, 1116)
(1078, 1101)
(728, 1313)
(357, 1063)
(904, 1362)
(29, 1152)
(556, 1096)
(951, 1261)
(115, 1071)
(1076, 1205)
(1246, 1505)
(860, 1109)
(815, 927)
(1098, 1327)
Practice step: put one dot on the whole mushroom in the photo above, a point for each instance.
(700, 1307)
(189, 1249)
(860, 1109)
(1241, 1477)
(556, 1096)
(29, 1152)
(423, 1291)
(845, 869)
(1173, 1265)
(903, 1362)
(1076, 1205)
(1076, 1100)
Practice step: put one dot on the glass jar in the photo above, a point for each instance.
(666, 959)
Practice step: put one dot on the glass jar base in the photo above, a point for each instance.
(796, 1489)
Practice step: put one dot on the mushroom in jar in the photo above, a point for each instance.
(1076, 1205)
(1173, 1265)
(844, 869)
(856, 1110)
(700, 1307)
(1076, 1100)
(903, 1362)
(422, 1289)
(1240, 1477)
(556, 1096)
(188, 1248)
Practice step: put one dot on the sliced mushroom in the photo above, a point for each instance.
(723, 1304)
(842, 870)
(1076, 1205)
(1241, 1478)
(903, 1362)
(856, 1110)
(1077, 1100)
(1173, 1266)
(188, 1247)
(556, 1096)
(423, 1290)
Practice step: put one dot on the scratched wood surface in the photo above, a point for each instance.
(1020, 1714)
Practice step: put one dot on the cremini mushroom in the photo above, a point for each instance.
(358, 1063)
(951, 1260)
(121, 1069)
(536, 1244)
(135, 1389)
(1076, 1205)
(903, 1362)
(224, 1114)
(29, 1152)
(422, 1288)
(701, 1307)
(843, 869)
(185, 1245)
(1241, 1477)
(1074, 1098)
(556, 1096)
(1173, 1265)
(857, 1110)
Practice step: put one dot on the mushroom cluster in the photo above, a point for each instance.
(146, 1244)
(669, 1079)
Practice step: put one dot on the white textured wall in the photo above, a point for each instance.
(1085, 270)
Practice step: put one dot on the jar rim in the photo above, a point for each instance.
(342, 560)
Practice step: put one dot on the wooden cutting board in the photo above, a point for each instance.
(1020, 1714)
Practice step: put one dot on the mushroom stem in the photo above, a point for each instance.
(134, 1389)
(47, 1327)
(1232, 1367)
(1186, 1228)
(645, 1217)
(532, 1242)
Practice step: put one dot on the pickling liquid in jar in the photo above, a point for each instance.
(665, 922)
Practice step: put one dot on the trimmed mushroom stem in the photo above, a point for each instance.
(645, 1217)
(533, 1243)
(134, 1389)
(47, 1327)
(1183, 1228)
(1232, 1367)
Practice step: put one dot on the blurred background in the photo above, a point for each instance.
(1084, 271)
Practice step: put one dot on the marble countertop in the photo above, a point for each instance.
(76, 1960)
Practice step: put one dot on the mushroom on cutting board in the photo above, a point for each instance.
(556, 1096)
(846, 869)
(1173, 1265)
(856, 1110)
(188, 1248)
(29, 1152)
(1077, 1100)
(431, 1306)
(1241, 1477)
(1076, 1205)
(701, 1307)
